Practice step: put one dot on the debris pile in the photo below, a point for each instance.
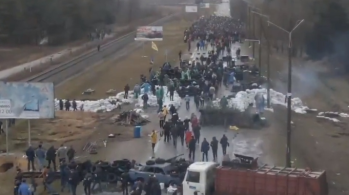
(132, 117)
(88, 91)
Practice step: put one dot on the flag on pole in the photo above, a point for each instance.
(151, 60)
(153, 46)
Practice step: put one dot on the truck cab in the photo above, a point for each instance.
(200, 178)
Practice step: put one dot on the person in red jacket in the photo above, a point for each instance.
(188, 137)
(194, 121)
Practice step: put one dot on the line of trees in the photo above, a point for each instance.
(28, 21)
(325, 32)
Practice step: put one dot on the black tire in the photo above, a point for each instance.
(150, 162)
(236, 160)
(111, 177)
(160, 161)
(105, 165)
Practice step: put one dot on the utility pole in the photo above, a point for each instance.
(253, 34)
(260, 47)
(289, 88)
(268, 72)
(249, 23)
(289, 97)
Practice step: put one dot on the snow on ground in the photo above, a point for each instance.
(244, 98)
(329, 118)
(332, 116)
(113, 102)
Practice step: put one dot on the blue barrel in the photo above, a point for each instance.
(137, 132)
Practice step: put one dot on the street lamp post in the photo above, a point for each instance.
(289, 88)
(260, 53)
(268, 58)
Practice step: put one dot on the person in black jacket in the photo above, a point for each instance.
(205, 147)
(126, 89)
(145, 99)
(30, 153)
(125, 177)
(196, 131)
(73, 181)
(174, 118)
(173, 110)
(174, 133)
(197, 101)
(181, 131)
(167, 131)
(61, 104)
(87, 183)
(97, 174)
(171, 90)
(186, 124)
(51, 157)
(192, 145)
(224, 143)
(18, 180)
(214, 146)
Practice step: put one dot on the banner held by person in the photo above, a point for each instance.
(191, 9)
(154, 47)
(149, 33)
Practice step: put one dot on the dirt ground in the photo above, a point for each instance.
(319, 144)
(10, 57)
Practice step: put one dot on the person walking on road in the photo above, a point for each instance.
(214, 146)
(181, 131)
(161, 119)
(187, 102)
(174, 133)
(205, 147)
(154, 140)
(188, 137)
(167, 131)
(192, 146)
(224, 143)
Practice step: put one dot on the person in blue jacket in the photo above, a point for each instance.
(205, 147)
(146, 87)
(232, 78)
(24, 189)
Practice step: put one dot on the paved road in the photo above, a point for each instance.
(248, 142)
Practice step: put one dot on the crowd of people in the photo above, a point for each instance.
(204, 75)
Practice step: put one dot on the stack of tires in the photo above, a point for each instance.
(111, 172)
(156, 161)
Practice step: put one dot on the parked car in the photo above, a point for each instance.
(164, 172)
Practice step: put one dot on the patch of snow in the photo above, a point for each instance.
(329, 118)
(244, 98)
(338, 114)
